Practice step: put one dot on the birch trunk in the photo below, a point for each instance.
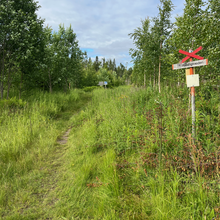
(20, 87)
(154, 76)
(2, 73)
(159, 67)
(50, 82)
(9, 81)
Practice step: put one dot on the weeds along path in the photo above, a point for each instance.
(29, 184)
(124, 156)
(123, 162)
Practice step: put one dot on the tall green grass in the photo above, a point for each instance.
(21, 126)
(131, 156)
(28, 133)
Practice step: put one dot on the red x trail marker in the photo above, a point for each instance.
(192, 78)
(191, 55)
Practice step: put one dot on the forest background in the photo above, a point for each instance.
(34, 56)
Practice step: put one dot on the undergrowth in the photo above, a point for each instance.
(29, 129)
(131, 156)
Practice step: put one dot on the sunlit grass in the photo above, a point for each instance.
(28, 136)
(129, 155)
(132, 157)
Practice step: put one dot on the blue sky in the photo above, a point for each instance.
(102, 26)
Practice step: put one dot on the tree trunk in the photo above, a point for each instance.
(67, 85)
(159, 67)
(20, 87)
(64, 88)
(2, 90)
(144, 79)
(9, 80)
(50, 83)
(154, 76)
(2, 74)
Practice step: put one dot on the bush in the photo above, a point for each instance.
(89, 88)
(12, 103)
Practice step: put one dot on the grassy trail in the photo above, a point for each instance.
(34, 193)
(128, 154)
(117, 167)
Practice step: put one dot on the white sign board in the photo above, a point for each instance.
(190, 64)
(193, 80)
(104, 83)
(101, 84)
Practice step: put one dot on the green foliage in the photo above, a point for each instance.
(150, 41)
(89, 88)
(34, 115)
(108, 72)
(198, 26)
(127, 145)
(12, 103)
(118, 161)
(62, 66)
(27, 136)
(21, 40)
(35, 57)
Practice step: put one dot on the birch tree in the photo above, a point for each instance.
(21, 34)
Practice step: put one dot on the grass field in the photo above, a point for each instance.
(29, 152)
(129, 155)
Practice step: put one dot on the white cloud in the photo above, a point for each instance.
(100, 24)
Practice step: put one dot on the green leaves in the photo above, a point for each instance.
(149, 41)
(63, 57)
(20, 39)
(198, 26)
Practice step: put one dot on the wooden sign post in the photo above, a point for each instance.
(191, 64)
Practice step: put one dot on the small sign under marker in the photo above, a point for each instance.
(188, 73)
(193, 80)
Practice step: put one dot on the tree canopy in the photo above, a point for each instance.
(34, 56)
(158, 40)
